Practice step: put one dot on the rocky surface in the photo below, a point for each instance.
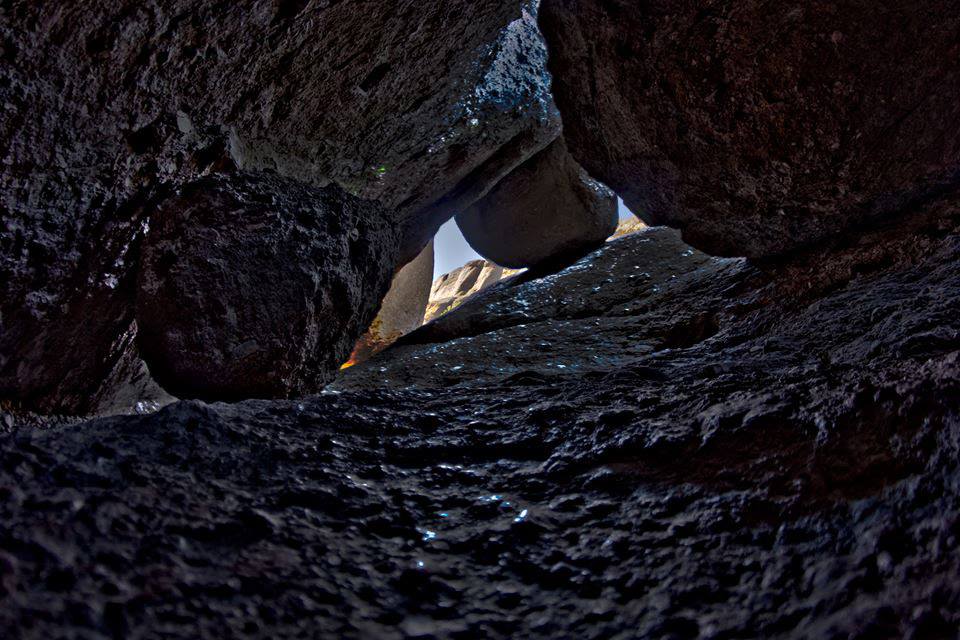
(548, 209)
(649, 442)
(402, 309)
(108, 105)
(660, 444)
(254, 286)
(758, 127)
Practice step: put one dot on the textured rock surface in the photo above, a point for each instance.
(129, 388)
(451, 289)
(402, 309)
(758, 454)
(421, 106)
(258, 286)
(757, 127)
(547, 209)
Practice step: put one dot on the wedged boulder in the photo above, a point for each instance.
(758, 127)
(451, 289)
(421, 106)
(546, 209)
(402, 309)
(259, 286)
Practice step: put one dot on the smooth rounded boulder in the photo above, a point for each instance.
(546, 209)
(759, 127)
(258, 286)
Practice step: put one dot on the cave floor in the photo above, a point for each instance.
(649, 443)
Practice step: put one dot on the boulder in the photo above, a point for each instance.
(402, 309)
(757, 127)
(108, 105)
(259, 286)
(546, 209)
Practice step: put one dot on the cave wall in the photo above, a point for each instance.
(110, 107)
(760, 127)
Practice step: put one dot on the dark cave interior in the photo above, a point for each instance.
(239, 398)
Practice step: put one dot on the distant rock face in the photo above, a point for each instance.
(628, 226)
(258, 286)
(758, 128)
(547, 209)
(107, 105)
(451, 289)
(402, 309)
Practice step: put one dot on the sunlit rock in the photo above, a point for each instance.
(452, 289)
(628, 226)
(402, 309)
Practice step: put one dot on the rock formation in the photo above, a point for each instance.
(651, 441)
(402, 309)
(547, 209)
(109, 105)
(254, 286)
(648, 442)
(757, 128)
(451, 289)
(628, 226)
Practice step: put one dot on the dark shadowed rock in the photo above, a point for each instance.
(258, 286)
(402, 309)
(757, 127)
(419, 105)
(547, 209)
(728, 453)
(129, 388)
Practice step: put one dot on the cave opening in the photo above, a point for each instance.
(458, 273)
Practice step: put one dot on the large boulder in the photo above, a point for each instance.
(258, 286)
(758, 127)
(106, 105)
(547, 209)
(402, 309)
